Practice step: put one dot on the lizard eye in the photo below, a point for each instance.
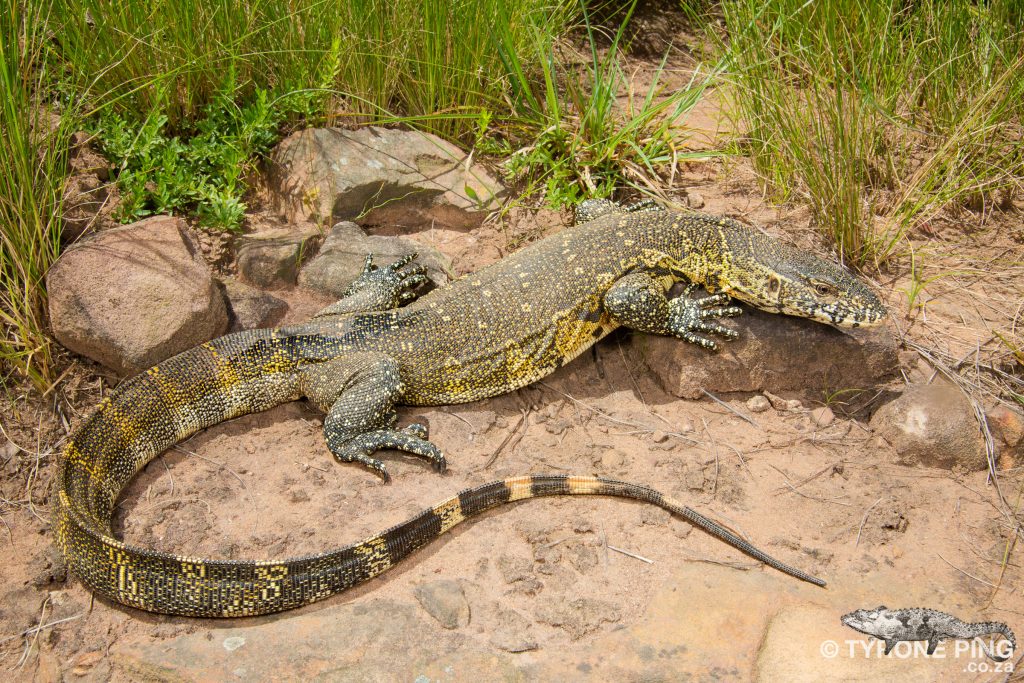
(823, 289)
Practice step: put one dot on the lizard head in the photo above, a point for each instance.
(865, 620)
(776, 277)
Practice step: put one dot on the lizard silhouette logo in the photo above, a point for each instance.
(920, 624)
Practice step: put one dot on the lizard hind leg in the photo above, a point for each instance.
(358, 392)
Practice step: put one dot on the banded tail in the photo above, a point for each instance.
(225, 378)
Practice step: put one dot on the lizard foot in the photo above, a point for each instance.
(393, 282)
(411, 439)
(688, 316)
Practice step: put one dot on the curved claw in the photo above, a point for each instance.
(408, 287)
(414, 280)
(411, 439)
(709, 344)
(375, 466)
(714, 328)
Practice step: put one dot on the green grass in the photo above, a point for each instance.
(432, 59)
(880, 113)
(35, 137)
(580, 141)
(193, 92)
(184, 96)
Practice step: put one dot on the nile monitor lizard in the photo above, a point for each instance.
(487, 333)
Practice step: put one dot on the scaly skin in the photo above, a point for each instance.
(920, 623)
(486, 334)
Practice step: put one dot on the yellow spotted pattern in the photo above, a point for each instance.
(495, 331)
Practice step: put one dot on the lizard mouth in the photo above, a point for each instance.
(840, 316)
(853, 622)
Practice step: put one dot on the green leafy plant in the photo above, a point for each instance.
(202, 172)
(918, 283)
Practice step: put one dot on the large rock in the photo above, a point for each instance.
(774, 353)
(133, 296)
(271, 259)
(343, 254)
(369, 640)
(932, 425)
(324, 174)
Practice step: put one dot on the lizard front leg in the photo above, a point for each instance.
(379, 289)
(358, 392)
(638, 301)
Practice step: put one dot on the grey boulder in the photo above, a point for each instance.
(399, 176)
(344, 252)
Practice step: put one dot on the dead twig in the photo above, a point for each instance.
(628, 423)
(41, 627)
(743, 462)
(182, 499)
(632, 379)
(714, 449)
(804, 495)
(629, 554)
(732, 410)
(514, 432)
(472, 429)
(311, 467)
(811, 478)
(864, 520)
(219, 465)
(29, 646)
(744, 566)
(168, 469)
(972, 576)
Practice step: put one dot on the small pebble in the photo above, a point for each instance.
(659, 436)
(694, 200)
(757, 404)
(780, 403)
(823, 416)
